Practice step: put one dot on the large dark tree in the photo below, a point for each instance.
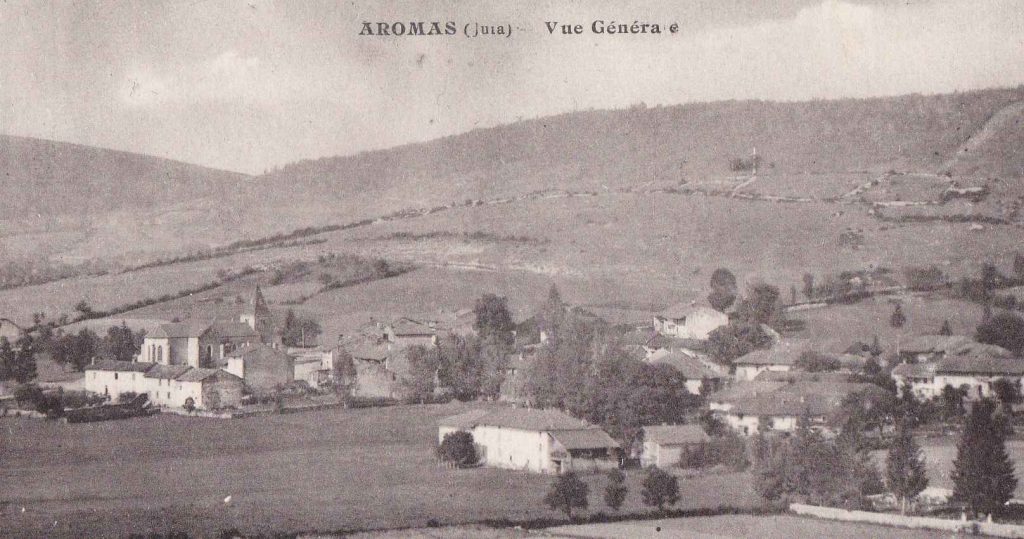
(723, 289)
(660, 488)
(983, 474)
(615, 491)
(736, 339)
(1003, 329)
(568, 493)
(905, 470)
(423, 365)
(299, 330)
(493, 319)
(457, 448)
(761, 305)
(897, 319)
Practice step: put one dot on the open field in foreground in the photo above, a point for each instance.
(764, 527)
(331, 470)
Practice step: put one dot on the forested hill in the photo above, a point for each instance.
(974, 133)
(42, 177)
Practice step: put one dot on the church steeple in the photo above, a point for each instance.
(257, 316)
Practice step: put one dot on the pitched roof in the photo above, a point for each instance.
(683, 310)
(258, 351)
(233, 329)
(927, 344)
(689, 366)
(591, 438)
(783, 353)
(784, 403)
(119, 366)
(177, 330)
(914, 370)
(744, 390)
(167, 371)
(198, 375)
(981, 364)
(516, 418)
(675, 434)
(406, 326)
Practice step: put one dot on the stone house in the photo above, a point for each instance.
(665, 445)
(689, 322)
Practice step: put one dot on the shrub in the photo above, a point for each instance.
(127, 396)
(660, 488)
(729, 450)
(615, 491)
(567, 493)
(457, 447)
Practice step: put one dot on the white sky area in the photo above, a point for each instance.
(251, 84)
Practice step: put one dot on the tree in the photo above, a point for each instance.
(7, 367)
(460, 367)
(79, 349)
(808, 286)
(84, 309)
(946, 329)
(457, 448)
(121, 343)
(615, 491)
(711, 424)
(761, 305)
(1018, 266)
(983, 474)
(1003, 329)
(567, 494)
(897, 319)
(1008, 393)
(952, 402)
(493, 318)
(723, 289)
(876, 347)
(23, 365)
(660, 488)
(422, 372)
(189, 405)
(812, 361)
(905, 469)
(736, 339)
(299, 330)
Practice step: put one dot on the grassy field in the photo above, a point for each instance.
(765, 527)
(328, 470)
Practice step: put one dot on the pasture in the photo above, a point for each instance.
(766, 527)
(330, 470)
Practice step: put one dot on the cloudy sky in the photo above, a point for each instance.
(251, 84)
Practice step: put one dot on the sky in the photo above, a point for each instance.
(249, 85)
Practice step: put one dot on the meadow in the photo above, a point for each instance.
(330, 470)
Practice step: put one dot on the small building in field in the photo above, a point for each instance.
(665, 446)
(543, 441)
(689, 322)
(262, 367)
(406, 332)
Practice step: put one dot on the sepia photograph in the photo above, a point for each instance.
(562, 269)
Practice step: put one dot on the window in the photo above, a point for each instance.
(115, 376)
(159, 354)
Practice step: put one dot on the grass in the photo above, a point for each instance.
(772, 526)
(330, 470)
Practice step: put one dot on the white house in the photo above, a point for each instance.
(973, 372)
(689, 322)
(782, 409)
(665, 445)
(165, 385)
(544, 441)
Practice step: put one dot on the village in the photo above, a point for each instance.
(717, 383)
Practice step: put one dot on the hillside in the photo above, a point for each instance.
(57, 178)
(681, 143)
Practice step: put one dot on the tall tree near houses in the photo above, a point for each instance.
(568, 493)
(723, 289)
(983, 474)
(808, 286)
(897, 319)
(905, 469)
(493, 318)
(946, 328)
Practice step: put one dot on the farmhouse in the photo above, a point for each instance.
(781, 410)
(315, 365)
(689, 322)
(262, 367)
(976, 373)
(780, 358)
(166, 385)
(544, 441)
(664, 446)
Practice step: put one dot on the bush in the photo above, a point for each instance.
(127, 397)
(660, 488)
(28, 395)
(729, 450)
(567, 493)
(457, 447)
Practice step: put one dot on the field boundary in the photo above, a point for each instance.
(902, 521)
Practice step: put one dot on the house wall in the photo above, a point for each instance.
(514, 449)
(149, 354)
(922, 388)
(221, 391)
(267, 373)
(697, 325)
(374, 381)
(662, 456)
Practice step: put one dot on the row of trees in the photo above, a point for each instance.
(569, 493)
